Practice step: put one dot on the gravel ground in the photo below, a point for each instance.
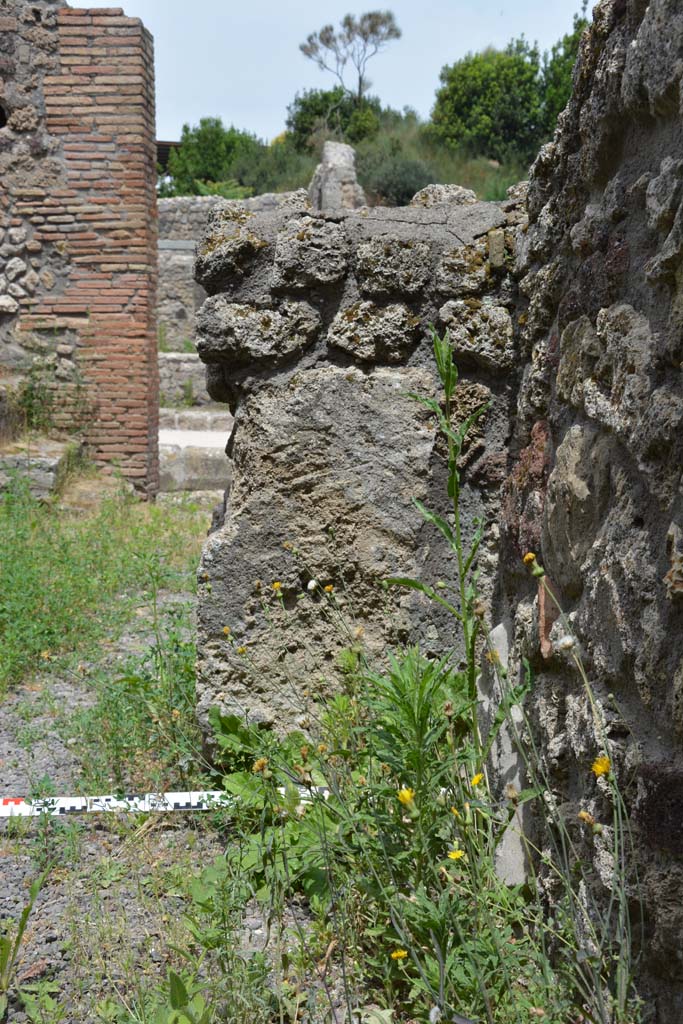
(105, 922)
(110, 907)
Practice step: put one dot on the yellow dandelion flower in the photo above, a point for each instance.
(455, 812)
(601, 766)
(456, 854)
(399, 954)
(529, 558)
(227, 630)
(406, 796)
(476, 779)
(241, 650)
(276, 585)
(586, 817)
(259, 765)
(329, 588)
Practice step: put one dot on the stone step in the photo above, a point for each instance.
(193, 460)
(41, 461)
(214, 418)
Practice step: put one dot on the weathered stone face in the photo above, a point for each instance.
(596, 490)
(311, 461)
(316, 342)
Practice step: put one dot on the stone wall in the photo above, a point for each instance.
(315, 331)
(182, 379)
(596, 486)
(182, 222)
(77, 219)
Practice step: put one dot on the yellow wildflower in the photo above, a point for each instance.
(241, 650)
(476, 779)
(601, 766)
(227, 630)
(456, 854)
(277, 586)
(529, 558)
(586, 817)
(329, 588)
(322, 748)
(399, 954)
(175, 714)
(259, 765)
(455, 812)
(493, 657)
(406, 796)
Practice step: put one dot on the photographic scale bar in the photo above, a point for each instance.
(141, 803)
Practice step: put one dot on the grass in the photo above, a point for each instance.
(380, 900)
(68, 581)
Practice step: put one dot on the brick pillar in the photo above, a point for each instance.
(99, 104)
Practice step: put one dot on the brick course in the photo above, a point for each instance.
(90, 214)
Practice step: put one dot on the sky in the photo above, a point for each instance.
(240, 60)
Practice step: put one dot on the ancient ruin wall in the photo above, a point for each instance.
(596, 488)
(77, 161)
(316, 331)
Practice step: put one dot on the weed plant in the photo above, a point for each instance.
(68, 581)
(141, 732)
(384, 819)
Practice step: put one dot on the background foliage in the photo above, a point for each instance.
(492, 112)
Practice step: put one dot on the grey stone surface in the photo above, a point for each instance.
(597, 486)
(438, 195)
(480, 331)
(296, 481)
(373, 334)
(238, 335)
(182, 379)
(388, 266)
(463, 270)
(327, 455)
(192, 463)
(309, 252)
(41, 462)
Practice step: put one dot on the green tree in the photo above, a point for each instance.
(356, 42)
(558, 68)
(332, 111)
(490, 103)
(208, 153)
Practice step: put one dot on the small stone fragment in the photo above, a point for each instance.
(375, 335)
(481, 330)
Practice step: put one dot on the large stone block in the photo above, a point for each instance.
(374, 334)
(324, 473)
(238, 335)
(309, 252)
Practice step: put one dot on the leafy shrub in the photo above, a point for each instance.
(490, 103)
(558, 67)
(207, 153)
(392, 178)
(332, 112)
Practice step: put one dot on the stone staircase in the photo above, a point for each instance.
(192, 449)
